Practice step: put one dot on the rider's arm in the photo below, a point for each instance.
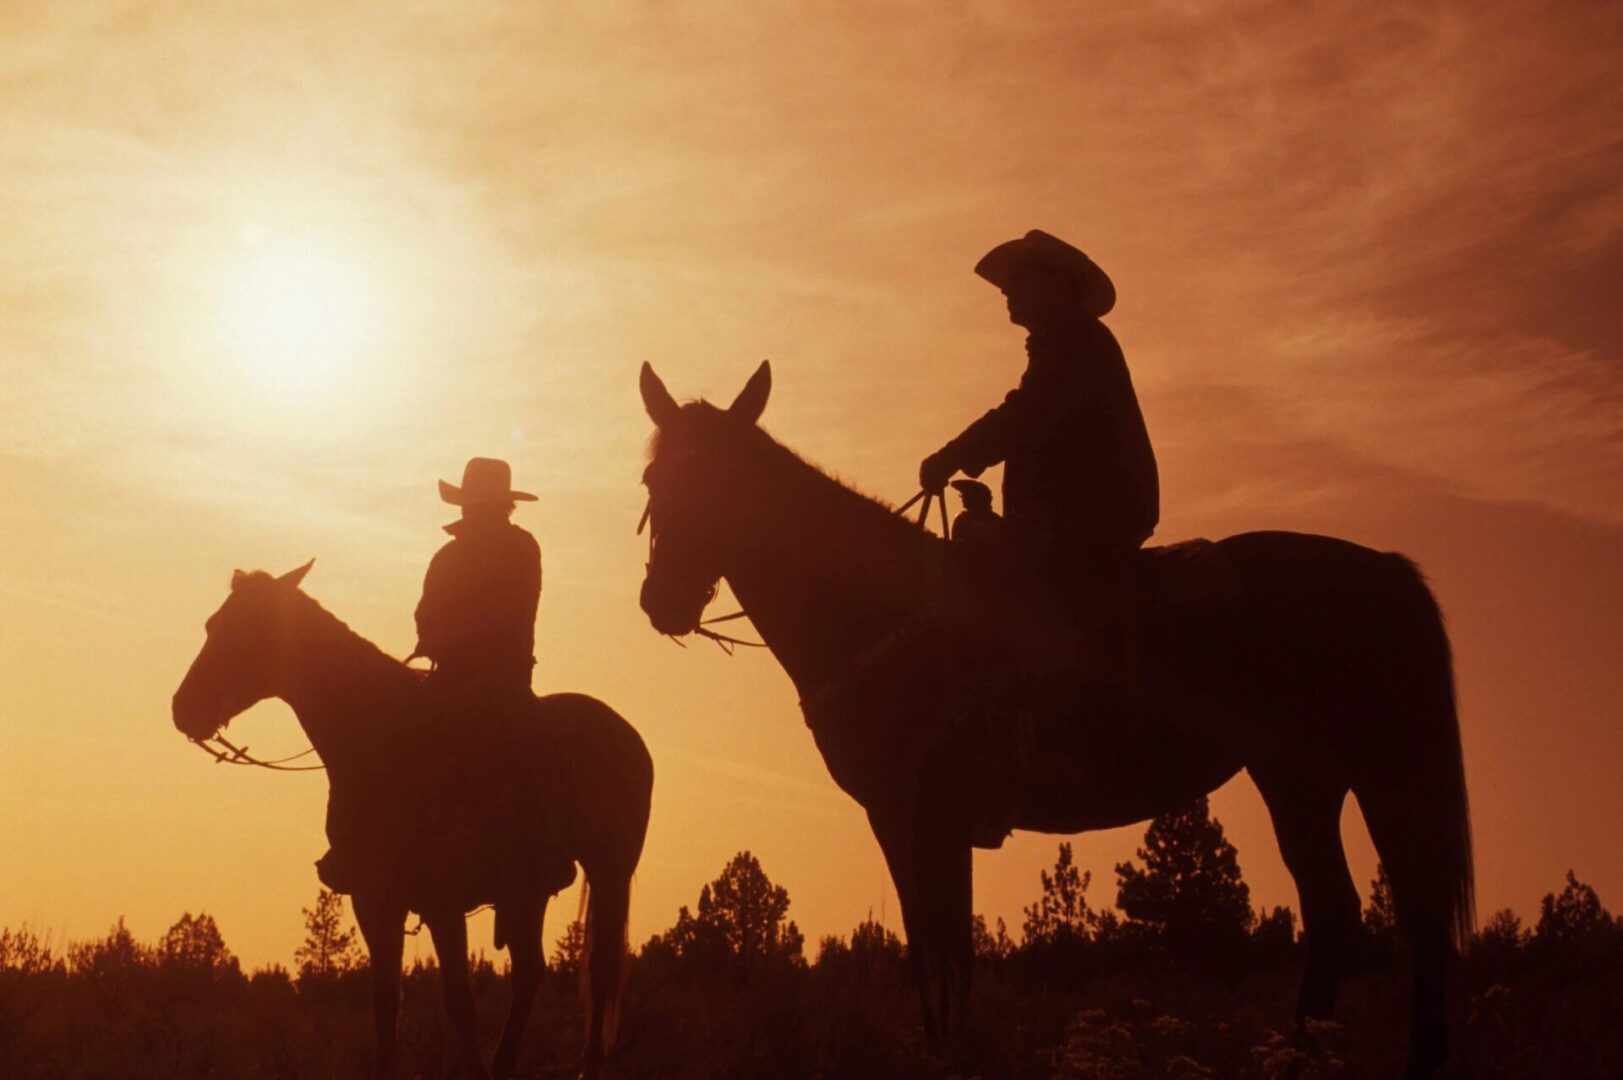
(432, 609)
(526, 591)
(1028, 413)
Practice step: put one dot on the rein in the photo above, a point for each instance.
(228, 753)
(924, 511)
(727, 643)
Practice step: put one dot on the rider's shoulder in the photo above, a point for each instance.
(521, 538)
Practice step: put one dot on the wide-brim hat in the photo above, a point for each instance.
(1095, 290)
(484, 480)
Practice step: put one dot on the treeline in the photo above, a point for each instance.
(733, 988)
(1183, 904)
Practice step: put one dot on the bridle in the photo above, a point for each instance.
(228, 753)
(727, 643)
(886, 643)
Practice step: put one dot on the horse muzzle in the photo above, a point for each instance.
(674, 611)
(196, 719)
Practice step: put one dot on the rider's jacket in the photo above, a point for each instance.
(477, 615)
(1079, 467)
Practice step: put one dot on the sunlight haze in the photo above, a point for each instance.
(269, 272)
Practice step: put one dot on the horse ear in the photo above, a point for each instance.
(751, 401)
(662, 408)
(237, 578)
(292, 578)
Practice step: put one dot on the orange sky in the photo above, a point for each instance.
(1368, 266)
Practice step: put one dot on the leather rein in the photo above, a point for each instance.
(228, 753)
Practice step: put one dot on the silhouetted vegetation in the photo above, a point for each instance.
(1183, 980)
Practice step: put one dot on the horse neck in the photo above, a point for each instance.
(823, 572)
(345, 691)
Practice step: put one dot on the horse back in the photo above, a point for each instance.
(600, 776)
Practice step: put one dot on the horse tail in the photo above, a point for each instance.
(603, 969)
(1442, 754)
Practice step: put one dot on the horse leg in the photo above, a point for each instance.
(1307, 820)
(523, 921)
(383, 926)
(927, 948)
(944, 871)
(896, 844)
(450, 932)
(943, 874)
(1405, 835)
(608, 905)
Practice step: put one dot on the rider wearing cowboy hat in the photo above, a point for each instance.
(1080, 489)
(476, 620)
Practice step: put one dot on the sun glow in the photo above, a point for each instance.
(295, 319)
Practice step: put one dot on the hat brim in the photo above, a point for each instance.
(456, 497)
(1095, 290)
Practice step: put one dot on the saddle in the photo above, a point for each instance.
(455, 819)
(1190, 577)
(1171, 585)
(1164, 588)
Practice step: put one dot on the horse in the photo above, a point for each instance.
(587, 772)
(1329, 672)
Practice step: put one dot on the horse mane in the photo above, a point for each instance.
(334, 629)
(835, 503)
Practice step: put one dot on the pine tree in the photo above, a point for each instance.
(23, 952)
(874, 948)
(1575, 917)
(329, 950)
(740, 922)
(989, 946)
(1190, 894)
(1273, 938)
(1575, 933)
(112, 964)
(750, 911)
(1381, 915)
(192, 954)
(570, 950)
(1499, 945)
(1061, 914)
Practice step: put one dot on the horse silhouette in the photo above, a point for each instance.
(1330, 673)
(586, 772)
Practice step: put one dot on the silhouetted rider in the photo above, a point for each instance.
(1080, 489)
(476, 622)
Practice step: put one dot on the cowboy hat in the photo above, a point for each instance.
(976, 495)
(1093, 286)
(484, 480)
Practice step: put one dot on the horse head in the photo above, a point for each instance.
(689, 474)
(244, 654)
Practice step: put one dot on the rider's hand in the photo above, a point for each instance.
(936, 470)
